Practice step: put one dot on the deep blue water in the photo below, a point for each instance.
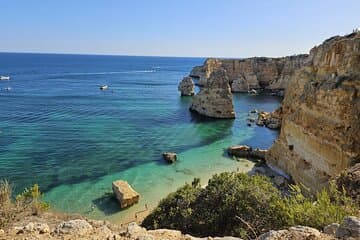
(59, 130)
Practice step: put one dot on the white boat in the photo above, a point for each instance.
(104, 87)
(252, 92)
(4, 78)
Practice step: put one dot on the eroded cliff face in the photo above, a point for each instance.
(215, 99)
(320, 130)
(252, 73)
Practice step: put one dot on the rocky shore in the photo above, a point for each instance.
(51, 226)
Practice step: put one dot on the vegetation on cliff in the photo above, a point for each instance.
(30, 201)
(246, 206)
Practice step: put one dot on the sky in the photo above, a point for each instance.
(190, 28)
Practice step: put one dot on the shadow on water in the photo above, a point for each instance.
(107, 203)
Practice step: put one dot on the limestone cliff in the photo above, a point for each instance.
(252, 73)
(215, 99)
(320, 130)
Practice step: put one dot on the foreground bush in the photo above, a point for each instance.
(30, 201)
(245, 206)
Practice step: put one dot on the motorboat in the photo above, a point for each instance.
(104, 87)
(4, 78)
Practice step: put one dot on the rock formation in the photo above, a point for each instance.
(350, 180)
(215, 99)
(125, 194)
(320, 129)
(252, 73)
(270, 120)
(244, 151)
(187, 87)
(170, 157)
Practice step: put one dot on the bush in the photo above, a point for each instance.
(177, 206)
(246, 206)
(33, 198)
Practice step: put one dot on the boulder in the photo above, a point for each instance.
(270, 120)
(350, 180)
(279, 181)
(170, 157)
(215, 99)
(75, 227)
(239, 151)
(125, 194)
(244, 151)
(331, 228)
(187, 87)
(350, 227)
(296, 233)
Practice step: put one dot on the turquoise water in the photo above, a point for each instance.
(59, 130)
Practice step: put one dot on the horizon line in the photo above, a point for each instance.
(130, 55)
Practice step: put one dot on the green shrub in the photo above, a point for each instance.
(246, 206)
(177, 206)
(33, 198)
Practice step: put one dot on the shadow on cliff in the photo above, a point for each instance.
(107, 203)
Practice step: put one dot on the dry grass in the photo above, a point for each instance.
(7, 211)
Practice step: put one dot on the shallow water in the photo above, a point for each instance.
(59, 130)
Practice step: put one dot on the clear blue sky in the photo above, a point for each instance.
(226, 28)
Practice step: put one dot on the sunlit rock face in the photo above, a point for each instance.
(320, 129)
(215, 99)
(252, 73)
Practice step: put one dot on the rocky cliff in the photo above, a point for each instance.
(215, 99)
(320, 130)
(252, 73)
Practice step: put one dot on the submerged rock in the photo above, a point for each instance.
(170, 157)
(187, 87)
(215, 99)
(125, 194)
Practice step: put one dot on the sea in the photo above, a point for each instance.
(59, 130)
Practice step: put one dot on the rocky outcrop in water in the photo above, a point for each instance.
(170, 157)
(215, 99)
(320, 129)
(187, 87)
(252, 73)
(125, 194)
(244, 151)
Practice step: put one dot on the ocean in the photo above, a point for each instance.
(58, 129)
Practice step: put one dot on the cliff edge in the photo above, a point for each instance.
(252, 73)
(320, 130)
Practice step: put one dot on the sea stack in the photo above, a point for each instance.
(187, 87)
(320, 129)
(215, 98)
